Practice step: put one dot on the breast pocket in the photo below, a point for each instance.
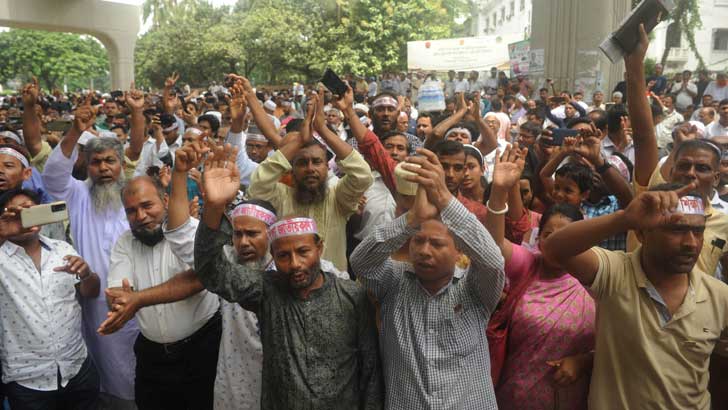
(461, 331)
(698, 346)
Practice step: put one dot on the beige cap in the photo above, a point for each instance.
(404, 186)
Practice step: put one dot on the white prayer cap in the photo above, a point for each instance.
(270, 105)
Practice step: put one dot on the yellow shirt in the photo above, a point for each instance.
(638, 362)
(331, 214)
(716, 230)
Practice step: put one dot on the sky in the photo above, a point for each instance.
(146, 26)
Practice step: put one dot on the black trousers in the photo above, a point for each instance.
(81, 393)
(178, 375)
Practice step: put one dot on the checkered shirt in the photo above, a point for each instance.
(434, 350)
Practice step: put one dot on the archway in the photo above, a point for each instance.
(115, 25)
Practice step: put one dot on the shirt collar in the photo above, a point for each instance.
(694, 278)
(11, 248)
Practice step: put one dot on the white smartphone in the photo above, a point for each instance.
(44, 214)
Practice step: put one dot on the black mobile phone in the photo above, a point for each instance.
(558, 135)
(116, 94)
(334, 83)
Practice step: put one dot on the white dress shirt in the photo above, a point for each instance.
(462, 86)
(151, 155)
(146, 267)
(379, 208)
(41, 318)
(715, 129)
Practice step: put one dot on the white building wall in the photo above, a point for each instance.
(714, 15)
(503, 17)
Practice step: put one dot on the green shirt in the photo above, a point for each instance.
(318, 353)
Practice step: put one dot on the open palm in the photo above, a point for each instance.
(221, 179)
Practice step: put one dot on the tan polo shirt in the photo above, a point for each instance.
(715, 235)
(640, 364)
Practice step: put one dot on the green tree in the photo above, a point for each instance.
(55, 58)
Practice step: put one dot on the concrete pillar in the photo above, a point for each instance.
(115, 24)
(570, 32)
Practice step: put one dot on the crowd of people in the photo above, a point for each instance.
(239, 248)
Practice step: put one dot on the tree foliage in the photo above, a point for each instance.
(53, 57)
(281, 40)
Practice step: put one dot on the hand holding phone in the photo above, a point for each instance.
(334, 83)
(44, 214)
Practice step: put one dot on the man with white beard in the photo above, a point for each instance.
(97, 219)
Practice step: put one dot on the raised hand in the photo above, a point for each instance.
(83, 117)
(134, 98)
(221, 179)
(422, 210)
(189, 156)
(461, 106)
(654, 209)
(30, 93)
(637, 56)
(473, 113)
(509, 167)
(237, 103)
(125, 302)
(343, 102)
(590, 149)
(315, 116)
(171, 80)
(189, 115)
(430, 176)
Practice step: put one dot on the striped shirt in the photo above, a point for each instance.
(434, 350)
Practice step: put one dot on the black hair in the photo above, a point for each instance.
(671, 96)
(614, 117)
(212, 120)
(691, 145)
(543, 89)
(496, 105)
(674, 186)
(425, 115)
(447, 147)
(537, 113)
(475, 153)
(599, 118)
(567, 210)
(8, 195)
(579, 173)
(294, 125)
(531, 128)
(121, 127)
(722, 102)
(656, 111)
(261, 203)
(390, 134)
(576, 121)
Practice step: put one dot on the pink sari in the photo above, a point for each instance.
(554, 319)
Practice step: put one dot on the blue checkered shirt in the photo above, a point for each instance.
(608, 205)
(434, 350)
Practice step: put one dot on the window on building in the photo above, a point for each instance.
(523, 5)
(512, 9)
(720, 40)
(673, 36)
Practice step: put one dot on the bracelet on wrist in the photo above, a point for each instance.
(501, 212)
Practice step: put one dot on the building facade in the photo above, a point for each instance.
(498, 17)
(711, 40)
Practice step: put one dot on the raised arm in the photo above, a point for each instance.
(548, 170)
(486, 275)
(31, 122)
(488, 140)
(262, 120)
(186, 158)
(169, 102)
(340, 148)
(137, 133)
(590, 149)
(645, 140)
(506, 174)
(238, 108)
(570, 246)
(438, 132)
